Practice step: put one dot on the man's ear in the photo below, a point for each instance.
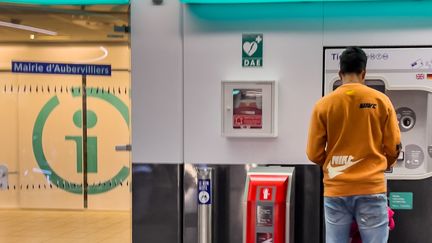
(341, 75)
(363, 75)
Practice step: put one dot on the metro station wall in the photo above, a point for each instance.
(24, 99)
(157, 81)
(213, 51)
(195, 47)
(294, 36)
(377, 23)
(181, 53)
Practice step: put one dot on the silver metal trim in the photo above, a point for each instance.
(205, 219)
(244, 204)
(126, 147)
(389, 176)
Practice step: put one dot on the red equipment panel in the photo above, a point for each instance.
(266, 209)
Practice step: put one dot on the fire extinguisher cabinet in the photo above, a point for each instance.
(269, 205)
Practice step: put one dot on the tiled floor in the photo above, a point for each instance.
(35, 226)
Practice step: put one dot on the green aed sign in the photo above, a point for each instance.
(401, 200)
(252, 50)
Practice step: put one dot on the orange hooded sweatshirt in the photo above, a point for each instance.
(354, 135)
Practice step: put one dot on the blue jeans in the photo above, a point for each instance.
(369, 211)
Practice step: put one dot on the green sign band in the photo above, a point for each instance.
(264, 1)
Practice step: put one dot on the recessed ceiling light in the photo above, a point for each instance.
(32, 37)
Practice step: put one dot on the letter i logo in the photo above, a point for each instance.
(92, 144)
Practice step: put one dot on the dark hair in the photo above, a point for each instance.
(353, 60)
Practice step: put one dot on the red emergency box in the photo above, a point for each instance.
(268, 203)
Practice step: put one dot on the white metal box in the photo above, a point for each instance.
(249, 108)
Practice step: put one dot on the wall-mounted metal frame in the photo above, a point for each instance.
(249, 108)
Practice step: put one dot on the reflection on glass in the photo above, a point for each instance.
(247, 113)
(264, 238)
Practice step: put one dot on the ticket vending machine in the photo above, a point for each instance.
(268, 205)
(404, 74)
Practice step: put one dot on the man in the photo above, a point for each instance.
(354, 136)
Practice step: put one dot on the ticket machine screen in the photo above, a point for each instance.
(373, 83)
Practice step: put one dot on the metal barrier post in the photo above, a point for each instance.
(205, 200)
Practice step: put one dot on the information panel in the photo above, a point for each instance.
(401, 200)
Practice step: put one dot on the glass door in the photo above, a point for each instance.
(46, 140)
(58, 146)
(50, 141)
(108, 138)
(9, 166)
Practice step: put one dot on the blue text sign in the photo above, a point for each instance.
(204, 191)
(61, 68)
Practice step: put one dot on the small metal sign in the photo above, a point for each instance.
(204, 191)
(252, 50)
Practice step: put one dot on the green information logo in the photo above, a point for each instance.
(252, 50)
(38, 151)
(91, 142)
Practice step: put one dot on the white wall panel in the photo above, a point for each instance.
(294, 36)
(157, 82)
(377, 23)
(213, 52)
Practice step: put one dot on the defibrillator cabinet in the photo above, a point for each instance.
(249, 109)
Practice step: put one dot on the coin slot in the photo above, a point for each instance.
(407, 122)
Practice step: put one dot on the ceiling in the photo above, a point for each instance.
(94, 23)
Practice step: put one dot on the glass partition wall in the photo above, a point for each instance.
(46, 193)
